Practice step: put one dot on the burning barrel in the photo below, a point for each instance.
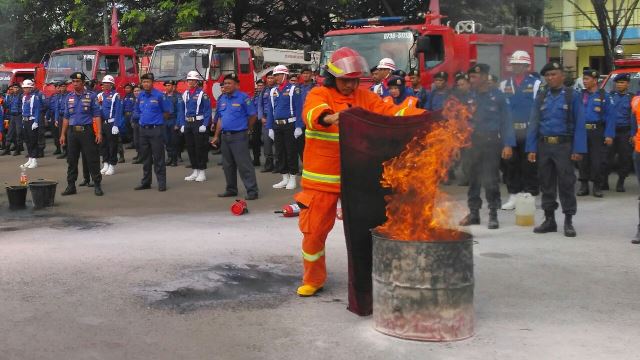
(423, 290)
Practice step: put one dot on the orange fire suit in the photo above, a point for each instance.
(321, 174)
(409, 101)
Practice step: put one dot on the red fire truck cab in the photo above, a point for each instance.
(628, 65)
(211, 57)
(11, 73)
(95, 62)
(431, 47)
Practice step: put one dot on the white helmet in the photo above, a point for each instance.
(280, 69)
(27, 84)
(520, 57)
(387, 63)
(194, 75)
(109, 79)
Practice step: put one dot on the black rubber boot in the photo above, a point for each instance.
(597, 191)
(636, 239)
(620, 185)
(6, 151)
(97, 189)
(584, 188)
(549, 224)
(473, 218)
(569, 230)
(63, 155)
(268, 165)
(70, 190)
(493, 219)
(57, 151)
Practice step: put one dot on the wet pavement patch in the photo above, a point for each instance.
(27, 220)
(224, 285)
(496, 255)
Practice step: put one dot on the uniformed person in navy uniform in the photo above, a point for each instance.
(128, 102)
(236, 114)
(418, 90)
(31, 121)
(267, 143)
(112, 121)
(623, 118)
(13, 106)
(81, 132)
(42, 121)
(194, 120)
(171, 123)
(601, 130)
(152, 109)
(462, 92)
(255, 141)
(492, 138)
(556, 137)
(440, 92)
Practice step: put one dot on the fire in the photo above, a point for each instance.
(417, 209)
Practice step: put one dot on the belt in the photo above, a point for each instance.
(127, 113)
(556, 139)
(285, 121)
(80, 128)
(624, 127)
(109, 121)
(520, 126)
(194, 118)
(591, 126)
(28, 118)
(151, 126)
(230, 132)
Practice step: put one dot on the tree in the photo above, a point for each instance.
(611, 24)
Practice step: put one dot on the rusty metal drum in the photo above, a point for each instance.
(423, 290)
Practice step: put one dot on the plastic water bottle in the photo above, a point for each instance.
(23, 176)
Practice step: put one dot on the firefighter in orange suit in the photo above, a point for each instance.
(398, 93)
(321, 174)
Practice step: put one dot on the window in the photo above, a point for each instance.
(435, 55)
(63, 64)
(129, 66)
(245, 61)
(108, 65)
(222, 63)
(173, 62)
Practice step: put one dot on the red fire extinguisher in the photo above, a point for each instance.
(291, 210)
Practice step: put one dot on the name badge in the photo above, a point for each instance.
(597, 109)
(235, 105)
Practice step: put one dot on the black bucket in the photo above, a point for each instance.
(17, 197)
(43, 193)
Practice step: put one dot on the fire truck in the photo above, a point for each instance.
(624, 64)
(94, 61)
(11, 73)
(431, 47)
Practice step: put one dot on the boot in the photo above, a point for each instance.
(584, 188)
(57, 151)
(105, 167)
(70, 190)
(605, 185)
(63, 155)
(17, 152)
(110, 170)
(120, 153)
(97, 189)
(511, 203)
(5, 152)
(597, 191)
(193, 176)
(549, 224)
(493, 219)
(636, 239)
(620, 185)
(569, 231)
(292, 183)
(201, 176)
(473, 218)
(173, 161)
(256, 160)
(33, 164)
(268, 165)
(282, 184)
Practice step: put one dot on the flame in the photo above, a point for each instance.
(417, 209)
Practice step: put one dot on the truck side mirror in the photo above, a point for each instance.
(205, 61)
(423, 44)
(307, 53)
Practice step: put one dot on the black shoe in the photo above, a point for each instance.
(57, 152)
(473, 218)
(620, 185)
(180, 159)
(251, 197)
(188, 166)
(605, 186)
(16, 153)
(5, 152)
(636, 239)
(463, 183)
(597, 192)
(121, 160)
(130, 147)
(493, 220)
(256, 162)
(220, 163)
(162, 188)
(142, 187)
(85, 183)
(549, 224)
(137, 161)
(569, 230)
(62, 156)
(97, 189)
(584, 188)
(70, 190)
(227, 194)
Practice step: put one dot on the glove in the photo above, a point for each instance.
(202, 129)
(34, 126)
(115, 130)
(182, 129)
(297, 132)
(272, 135)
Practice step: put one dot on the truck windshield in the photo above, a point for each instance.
(5, 79)
(173, 62)
(396, 45)
(634, 86)
(62, 65)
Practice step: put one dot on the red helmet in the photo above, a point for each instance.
(347, 63)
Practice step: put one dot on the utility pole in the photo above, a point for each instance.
(105, 23)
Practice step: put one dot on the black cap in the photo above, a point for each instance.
(461, 75)
(15, 85)
(373, 69)
(78, 76)
(260, 81)
(60, 83)
(170, 82)
(396, 81)
(622, 77)
(131, 85)
(591, 72)
(306, 68)
(494, 78)
(399, 72)
(414, 72)
(270, 73)
(147, 76)
(232, 76)
(551, 66)
(441, 75)
(479, 69)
